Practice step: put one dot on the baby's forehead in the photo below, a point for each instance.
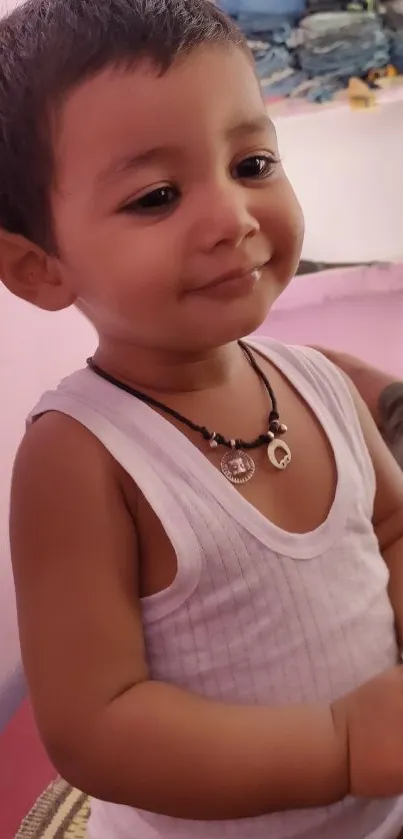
(211, 84)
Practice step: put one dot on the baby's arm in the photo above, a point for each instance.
(109, 729)
(388, 509)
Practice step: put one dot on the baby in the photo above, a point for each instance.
(210, 602)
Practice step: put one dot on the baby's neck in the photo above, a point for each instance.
(165, 372)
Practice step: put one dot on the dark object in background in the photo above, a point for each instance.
(307, 266)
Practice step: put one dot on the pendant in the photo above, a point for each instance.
(237, 466)
(279, 447)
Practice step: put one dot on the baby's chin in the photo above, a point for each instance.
(255, 311)
(241, 320)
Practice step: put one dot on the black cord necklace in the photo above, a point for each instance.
(236, 465)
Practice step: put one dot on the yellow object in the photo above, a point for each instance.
(391, 71)
(388, 72)
(360, 95)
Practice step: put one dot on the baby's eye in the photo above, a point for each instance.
(156, 201)
(257, 167)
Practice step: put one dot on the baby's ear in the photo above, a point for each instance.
(30, 273)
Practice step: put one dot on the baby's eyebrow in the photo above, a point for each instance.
(130, 162)
(251, 126)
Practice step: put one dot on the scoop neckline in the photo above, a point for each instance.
(200, 472)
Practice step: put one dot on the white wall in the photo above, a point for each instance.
(347, 169)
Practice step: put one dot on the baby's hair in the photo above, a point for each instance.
(48, 47)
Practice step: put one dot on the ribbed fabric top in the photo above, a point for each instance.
(255, 615)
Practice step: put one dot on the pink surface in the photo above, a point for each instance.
(356, 310)
(370, 328)
(25, 771)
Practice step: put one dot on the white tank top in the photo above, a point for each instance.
(255, 615)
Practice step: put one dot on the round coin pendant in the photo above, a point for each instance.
(279, 454)
(237, 467)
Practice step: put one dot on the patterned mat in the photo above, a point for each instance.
(60, 813)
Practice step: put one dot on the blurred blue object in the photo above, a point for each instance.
(284, 8)
(342, 44)
(275, 28)
(270, 60)
(282, 83)
(300, 52)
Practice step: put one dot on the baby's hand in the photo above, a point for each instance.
(372, 719)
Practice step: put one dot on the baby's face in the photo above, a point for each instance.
(164, 184)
